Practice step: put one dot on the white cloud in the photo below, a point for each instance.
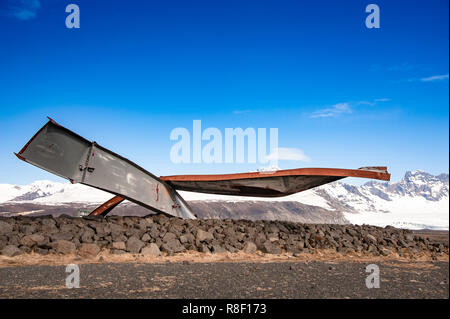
(22, 9)
(240, 111)
(333, 111)
(288, 154)
(344, 108)
(365, 103)
(382, 100)
(435, 78)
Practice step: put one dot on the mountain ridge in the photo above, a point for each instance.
(418, 200)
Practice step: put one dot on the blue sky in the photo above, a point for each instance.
(346, 95)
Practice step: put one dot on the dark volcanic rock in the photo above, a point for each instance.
(172, 246)
(134, 245)
(61, 236)
(11, 251)
(217, 249)
(249, 248)
(88, 250)
(151, 250)
(169, 237)
(155, 233)
(204, 236)
(5, 228)
(31, 240)
(64, 247)
(270, 248)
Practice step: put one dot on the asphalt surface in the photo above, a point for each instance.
(228, 280)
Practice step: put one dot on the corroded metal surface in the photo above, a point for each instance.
(274, 184)
(66, 154)
(106, 207)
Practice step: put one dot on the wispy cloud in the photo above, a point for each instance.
(240, 111)
(435, 78)
(333, 110)
(288, 154)
(21, 9)
(385, 99)
(344, 108)
(365, 103)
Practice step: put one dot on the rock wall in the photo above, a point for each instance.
(157, 234)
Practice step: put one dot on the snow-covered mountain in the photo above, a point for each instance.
(51, 193)
(419, 200)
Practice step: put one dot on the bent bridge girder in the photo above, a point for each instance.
(66, 154)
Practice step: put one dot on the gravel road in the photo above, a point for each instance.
(229, 280)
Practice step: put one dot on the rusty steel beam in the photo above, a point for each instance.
(106, 207)
(270, 184)
(66, 154)
(377, 172)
